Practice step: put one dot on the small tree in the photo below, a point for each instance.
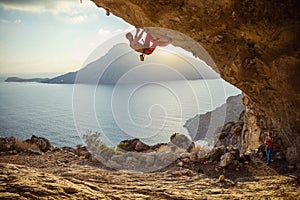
(92, 139)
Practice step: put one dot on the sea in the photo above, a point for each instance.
(64, 113)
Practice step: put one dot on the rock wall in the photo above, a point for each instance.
(255, 45)
(205, 126)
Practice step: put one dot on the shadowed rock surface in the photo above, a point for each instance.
(205, 126)
(255, 46)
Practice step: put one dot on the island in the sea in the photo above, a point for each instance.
(121, 63)
(17, 79)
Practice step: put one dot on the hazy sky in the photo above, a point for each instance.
(51, 35)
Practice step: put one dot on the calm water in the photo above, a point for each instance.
(62, 113)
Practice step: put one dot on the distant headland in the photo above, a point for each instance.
(17, 79)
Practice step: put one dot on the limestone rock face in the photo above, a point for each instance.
(205, 126)
(231, 133)
(255, 46)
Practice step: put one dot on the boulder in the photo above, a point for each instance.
(140, 146)
(128, 145)
(180, 164)
(133, 145)
(226, 160)
(7, 143)
(43, 144)
(158, 146)
(221, 178)
(187, 172)
(216, 153)
(182, 141)
(185, 155)
(201, 155)
(234, 152)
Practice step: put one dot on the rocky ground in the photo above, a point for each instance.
(61, 174)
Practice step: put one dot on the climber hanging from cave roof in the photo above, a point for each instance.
(146, 48)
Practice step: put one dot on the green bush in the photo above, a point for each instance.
(78, 146)
(123, 145)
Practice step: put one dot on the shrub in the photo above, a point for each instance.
(21, 145)
(97, 147)
(78, 146)
(123, 145)
(92, 139)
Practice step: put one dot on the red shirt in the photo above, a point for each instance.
(148, 51)
(269, 142)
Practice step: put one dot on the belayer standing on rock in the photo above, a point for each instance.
(269, 147)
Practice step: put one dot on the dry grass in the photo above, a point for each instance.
(198, 148)
(172, 148)
(24, 146)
